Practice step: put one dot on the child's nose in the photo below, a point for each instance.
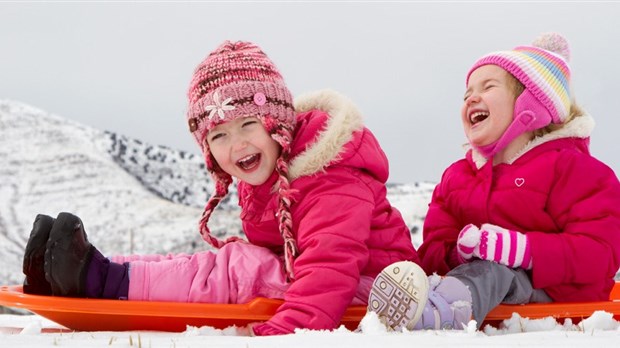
(473, 98)
(240, 143)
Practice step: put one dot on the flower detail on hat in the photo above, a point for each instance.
(219, 107)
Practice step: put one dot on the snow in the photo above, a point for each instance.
(600, 329)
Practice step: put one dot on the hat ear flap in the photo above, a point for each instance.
(530, 113)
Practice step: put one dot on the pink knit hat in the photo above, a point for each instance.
(239, 80)
(543, 70)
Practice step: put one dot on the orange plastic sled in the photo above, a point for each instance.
(113, 315)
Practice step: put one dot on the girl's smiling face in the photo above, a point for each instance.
(488, 104)
(243, 148)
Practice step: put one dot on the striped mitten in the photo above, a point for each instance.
(494, 243)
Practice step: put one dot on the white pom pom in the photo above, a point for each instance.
(553, 42)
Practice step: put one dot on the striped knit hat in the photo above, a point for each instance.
(543, 70)
(239, 80)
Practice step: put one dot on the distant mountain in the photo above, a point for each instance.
(133, 197)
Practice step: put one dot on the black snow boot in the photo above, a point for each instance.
(34, 257)
(67, 256)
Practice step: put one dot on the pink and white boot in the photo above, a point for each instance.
(405, 298)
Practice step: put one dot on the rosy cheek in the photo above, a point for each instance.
(464, 117)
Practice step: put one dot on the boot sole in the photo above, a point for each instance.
(399, 294)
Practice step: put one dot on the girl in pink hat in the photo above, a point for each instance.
(311, 182)
(529, 215)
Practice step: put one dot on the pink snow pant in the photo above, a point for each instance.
(237, 273)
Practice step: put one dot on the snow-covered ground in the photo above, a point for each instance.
(600, 330)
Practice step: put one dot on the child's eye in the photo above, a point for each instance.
(248, 122)
(216, 136)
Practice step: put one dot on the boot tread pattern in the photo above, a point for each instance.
(397, 293)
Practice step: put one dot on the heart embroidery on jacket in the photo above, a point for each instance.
(519, 182)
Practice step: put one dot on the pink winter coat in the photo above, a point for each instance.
(566, 201)
(344, 225)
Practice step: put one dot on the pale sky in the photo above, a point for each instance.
(125, 67)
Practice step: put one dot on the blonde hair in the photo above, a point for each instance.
(516, 85)
(574, 112)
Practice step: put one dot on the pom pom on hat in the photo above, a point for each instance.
(553, 42)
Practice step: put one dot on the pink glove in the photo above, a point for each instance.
(494, 243)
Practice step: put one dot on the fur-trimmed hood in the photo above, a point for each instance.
(330, 130)
(580, 127)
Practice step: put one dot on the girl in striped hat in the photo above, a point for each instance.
(529, 215)
(311, 183)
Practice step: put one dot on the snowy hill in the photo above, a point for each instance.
(133, 197)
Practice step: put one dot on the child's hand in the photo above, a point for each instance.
(494, 243)
(468, 242)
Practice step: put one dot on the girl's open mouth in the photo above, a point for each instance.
(249, 162)
(478, 117)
